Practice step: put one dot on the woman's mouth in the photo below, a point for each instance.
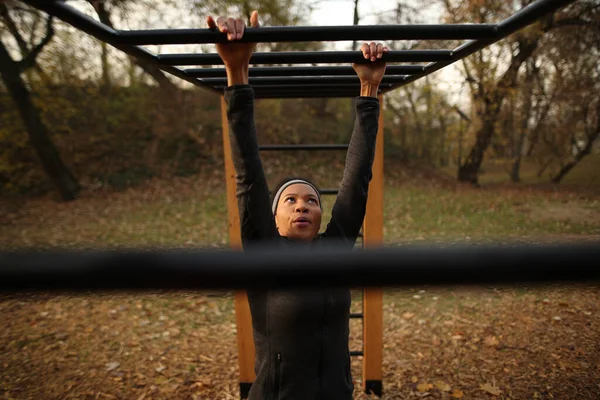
(301, 222)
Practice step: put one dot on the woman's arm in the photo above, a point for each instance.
(256, 218)
(349, 209)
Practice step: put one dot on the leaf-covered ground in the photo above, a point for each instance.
(439, 343)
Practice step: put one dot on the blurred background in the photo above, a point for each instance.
(100, 150)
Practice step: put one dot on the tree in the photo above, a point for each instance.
(577, 106)
(426, 120)
(489, 83)
(11, 71)
(104, 9)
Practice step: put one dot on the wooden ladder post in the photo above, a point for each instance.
(243, 318)
(373, 297)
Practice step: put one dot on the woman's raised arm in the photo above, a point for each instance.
(256, 218)
(350, 206)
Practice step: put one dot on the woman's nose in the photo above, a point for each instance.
(301, 207)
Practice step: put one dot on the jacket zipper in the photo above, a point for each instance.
(277, 374)
(323, 338)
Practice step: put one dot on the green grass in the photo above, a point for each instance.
(413, 211)
(433, 212)
(585, 174)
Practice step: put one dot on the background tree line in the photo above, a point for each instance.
(76, 113)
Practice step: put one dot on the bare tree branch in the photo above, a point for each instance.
(30, 59)
(12, 27)
(148, 67)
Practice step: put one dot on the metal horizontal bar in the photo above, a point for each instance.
(106, 34)
(329, 191)
(302, 71)
(303, 80)
(312, 92)
(284, 147)
(272, 34)
(357, 315)
(264, 267)
(529, 15)
(510, 25)
(356, 353)
(306, 95)
(308, 57)
(77, 19)
(321, 86)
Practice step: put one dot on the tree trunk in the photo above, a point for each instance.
(106, 77)
(469, 171)
(461, 133)
(592, 134)
(60, 175)
(569, 166)
(443, 152)
(523, 128)
(355, 22)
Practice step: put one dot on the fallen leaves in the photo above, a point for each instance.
(442, 386)
(112, 366)
(424, 387)
(491, 341)
(491, 389)
(197, 352)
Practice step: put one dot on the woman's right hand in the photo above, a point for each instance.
(235, 55)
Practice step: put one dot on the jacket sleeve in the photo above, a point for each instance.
(350, 206)
(256, 219)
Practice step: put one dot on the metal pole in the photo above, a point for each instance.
(269, 267)
(373, 296)
(521, 19)
(274, 34)
(294, 147)
(309, 57)
(302, 71)
(308, 88)
(306, 95)
(106, 34)
(243, 318)
(303, 80)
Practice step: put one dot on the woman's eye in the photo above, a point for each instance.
(290, 199)
(313, 201)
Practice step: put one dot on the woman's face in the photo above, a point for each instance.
(298, 214)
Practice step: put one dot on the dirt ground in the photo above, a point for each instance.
(439, 343)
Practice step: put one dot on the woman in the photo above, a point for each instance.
(301, 336)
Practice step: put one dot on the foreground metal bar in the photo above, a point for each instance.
(520, 20)
(308, 57)
(272, 34)
(404, 266)
(302, 71)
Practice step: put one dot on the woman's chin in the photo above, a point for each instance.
(302, 236)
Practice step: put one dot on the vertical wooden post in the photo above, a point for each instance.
(373, 297)
(243, 318)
